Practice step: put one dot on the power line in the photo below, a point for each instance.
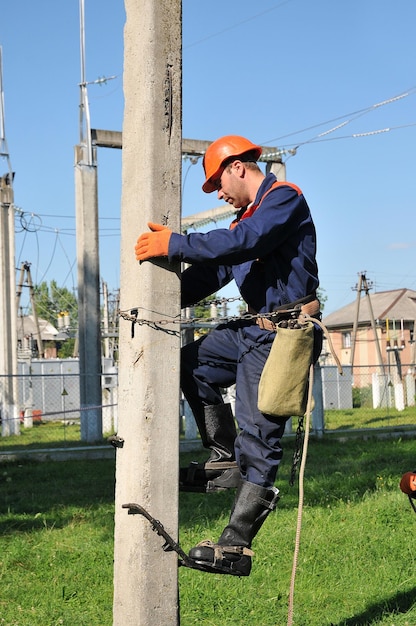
(353, 114)
(320, 139)
(236, 25)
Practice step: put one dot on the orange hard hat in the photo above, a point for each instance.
(220, 151)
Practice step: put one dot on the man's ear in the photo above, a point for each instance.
(239, 168)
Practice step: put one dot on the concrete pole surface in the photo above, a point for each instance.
(146, 577)
(278, 169)
(8, 315)
(89, 316)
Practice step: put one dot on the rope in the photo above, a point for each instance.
(302, 466)
(327, 337)
(301, 495)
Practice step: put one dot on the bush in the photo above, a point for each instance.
(362, 396)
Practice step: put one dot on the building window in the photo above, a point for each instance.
(346, 340)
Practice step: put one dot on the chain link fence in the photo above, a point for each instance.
(47, 393)
(369, 396)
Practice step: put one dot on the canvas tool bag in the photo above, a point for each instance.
(283, 387)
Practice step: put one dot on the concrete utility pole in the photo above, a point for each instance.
(8, 310)
(146, 577)
(89, 333)
(8, 313)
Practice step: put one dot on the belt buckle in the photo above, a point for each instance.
(285, 314)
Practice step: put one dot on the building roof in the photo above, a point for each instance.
(26, 326)
(398, 304)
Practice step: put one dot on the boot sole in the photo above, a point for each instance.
(210, 569)
(227, 479)
(231, 564)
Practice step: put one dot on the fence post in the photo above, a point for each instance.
(318, 410)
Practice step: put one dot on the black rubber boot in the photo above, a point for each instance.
(220, 471)
(232, 553)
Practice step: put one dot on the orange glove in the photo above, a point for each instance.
(155, 243)
(408, 483)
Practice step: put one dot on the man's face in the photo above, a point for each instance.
(231, 187)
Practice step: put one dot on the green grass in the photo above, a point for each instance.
(56, 525)
(365, 417)
(44, 435)
(356, 562)
(68, 434)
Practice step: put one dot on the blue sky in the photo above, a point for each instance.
(334, 80)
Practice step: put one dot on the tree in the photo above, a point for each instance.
(202, 310)
(322, 297)
(53, 302)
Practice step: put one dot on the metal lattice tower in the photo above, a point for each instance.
(84, 111)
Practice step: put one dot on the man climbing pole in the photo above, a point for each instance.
(269, 251)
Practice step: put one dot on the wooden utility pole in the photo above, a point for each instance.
(145, 577)
(25, 272)
(363, 285)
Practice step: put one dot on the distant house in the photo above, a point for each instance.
(28, 338)
(384, 330)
